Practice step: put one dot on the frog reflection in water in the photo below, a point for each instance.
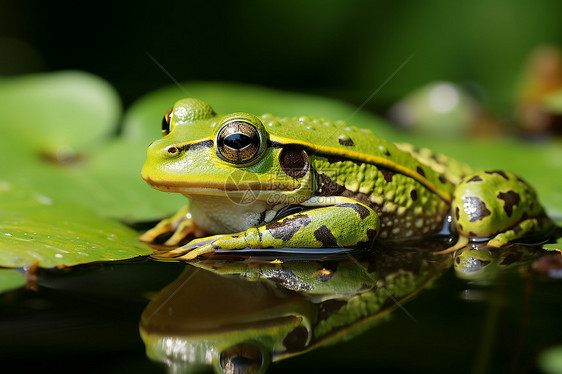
(273, 182)
(239, 316)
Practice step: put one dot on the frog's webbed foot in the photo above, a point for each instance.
(180, 225)
(344, 223)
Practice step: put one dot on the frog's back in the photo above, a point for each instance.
(324, 134)
(338, 140)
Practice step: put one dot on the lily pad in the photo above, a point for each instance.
(11, 279)
(37, 228)
(63, 112)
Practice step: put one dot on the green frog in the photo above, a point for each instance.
(483, 266)
(304, 182)
(277, 309)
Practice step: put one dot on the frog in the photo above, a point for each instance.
(278, 309)
(484, 266)
(268, 182)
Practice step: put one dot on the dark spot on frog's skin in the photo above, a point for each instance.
(325, 236)
(195, 146)
(288, 227)
(420, 171)
(360, 209)
(484, 263)
(371, 235)
(457, 213)
(471, 234)
(328, 187)
(511, 258)
(499, 172)
(517, 228)
(475, 208)
(296, 340)
(387, 173)
(329, 307)
(458, 260)
(414, 195)
(346, 142)
(386, 153)
(294, 162)
(475, 178)
(510, 198)
(442, 179)
(460, 227)
(521, 180)
(334, 159)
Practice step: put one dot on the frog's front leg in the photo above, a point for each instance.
(500, 206)
(330, 222)
(180, 224)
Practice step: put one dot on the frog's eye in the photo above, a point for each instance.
(166, 122)
(238, 142)
(244, 358)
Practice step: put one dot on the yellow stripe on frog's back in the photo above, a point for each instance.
(349, 154)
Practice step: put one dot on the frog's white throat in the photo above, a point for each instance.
(226, 215)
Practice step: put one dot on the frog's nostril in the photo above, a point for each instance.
(172, 150)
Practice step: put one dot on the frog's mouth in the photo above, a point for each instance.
(220, 189)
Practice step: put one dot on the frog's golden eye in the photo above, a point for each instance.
(238, 142)
(243, 358)
(166, 122)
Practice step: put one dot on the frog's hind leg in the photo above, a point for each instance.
(527, 228)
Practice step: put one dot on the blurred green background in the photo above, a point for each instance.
(341, 49)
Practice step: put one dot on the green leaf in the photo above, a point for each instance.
(11, 279)
(39, 228)
(59, 112)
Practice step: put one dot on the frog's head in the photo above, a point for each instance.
(205, 153)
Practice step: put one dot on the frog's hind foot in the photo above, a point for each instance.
(531, 230)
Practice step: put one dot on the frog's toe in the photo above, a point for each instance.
(202, 246)
(182, 232)
(158, 230)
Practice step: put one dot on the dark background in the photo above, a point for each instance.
(342, 49)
